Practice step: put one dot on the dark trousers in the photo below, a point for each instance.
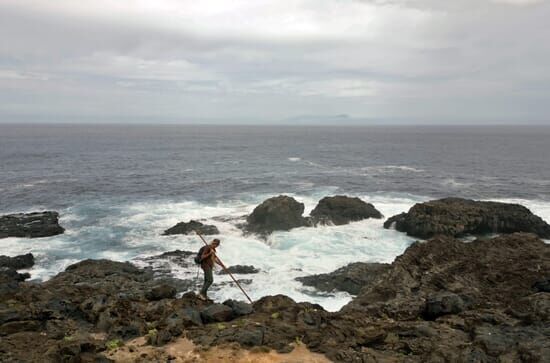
(208, 279)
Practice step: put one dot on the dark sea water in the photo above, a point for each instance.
(54, 166)
(118, 187)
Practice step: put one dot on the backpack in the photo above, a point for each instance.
(198, 257)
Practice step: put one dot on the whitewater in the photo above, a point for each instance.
(117, 188)
(133, 231)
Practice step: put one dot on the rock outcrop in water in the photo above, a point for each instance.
(32, 225)
(240, 269)
(458, 217)
(351, 278)
(442, 300)
(280, 213)
(17, 262)
(341, 209)
(191, 227)
(283, 213)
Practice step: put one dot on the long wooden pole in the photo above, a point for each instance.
(225, 269)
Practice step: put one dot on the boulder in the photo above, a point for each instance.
(192, 227)
(163, 291)
(17, 262)
(239, 308)
(341, 209)
(457, 217)
(240, 269)
(542, 285)
(443, 304)
(217, 313)
(351, 278)
(280, 213)
(31, 225)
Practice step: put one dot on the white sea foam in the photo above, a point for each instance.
(294, 159)
(391, 168)
(126, 231)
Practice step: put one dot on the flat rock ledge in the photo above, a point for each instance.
(30, 225)
(458, 217)
(351, 278)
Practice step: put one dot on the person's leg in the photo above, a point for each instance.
(208, 280)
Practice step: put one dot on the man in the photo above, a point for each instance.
(208, 258)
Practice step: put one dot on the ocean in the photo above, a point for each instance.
(118, 187)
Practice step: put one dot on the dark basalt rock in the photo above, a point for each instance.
(442, 300)
(217, 313)
(32, 225)
(191, 227)
(458, 217)
(17, 262)
(341, 209)
(280, 213)
(163, 291)
(240, 269)
(443, 304)
(351, 278)
(239, 308)
(542, 285)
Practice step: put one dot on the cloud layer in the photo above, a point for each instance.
(183, 61)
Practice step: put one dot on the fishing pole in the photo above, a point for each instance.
(225, 269)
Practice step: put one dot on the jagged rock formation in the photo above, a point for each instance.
(458, 217)
(32, 225)
(442, 300)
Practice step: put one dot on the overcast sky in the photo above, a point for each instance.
(439, 61)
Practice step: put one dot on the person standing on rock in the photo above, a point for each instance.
(208, 258)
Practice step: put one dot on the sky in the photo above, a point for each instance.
(381, 61)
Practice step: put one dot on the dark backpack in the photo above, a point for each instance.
(198, 257)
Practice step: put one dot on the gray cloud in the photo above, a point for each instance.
(417, 60)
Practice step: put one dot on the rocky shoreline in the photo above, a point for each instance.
(442, 300)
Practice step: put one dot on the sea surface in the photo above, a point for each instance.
(119, 187)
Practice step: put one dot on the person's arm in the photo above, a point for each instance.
(219, 262)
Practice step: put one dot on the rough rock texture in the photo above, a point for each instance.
(341, 209)
(441, 301)
(240, 269)
(457, 217)
(190, 228)
(280, 213)
(17, 262)
(39, 224)
(351, 278)
(217, 313)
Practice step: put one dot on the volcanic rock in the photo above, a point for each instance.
(341, 209)
(240, 269)
(458, 217)
(443, 304)
(162, 291)
(239, 308)
(280, 213)
(17, 262)
(38, 224)
(192, 227)
(217, 313)
(351, 278)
